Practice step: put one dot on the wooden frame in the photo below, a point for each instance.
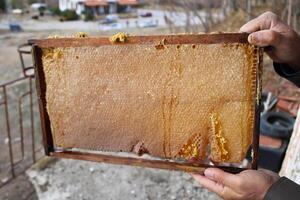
(171, 39)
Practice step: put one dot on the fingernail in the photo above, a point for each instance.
(208, 173)
(253, 38)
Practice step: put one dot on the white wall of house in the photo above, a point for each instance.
(76, 5)
(64, 5)
(79, 8)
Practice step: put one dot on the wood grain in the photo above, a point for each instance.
(155, 39)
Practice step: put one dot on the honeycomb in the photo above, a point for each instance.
(187, 101)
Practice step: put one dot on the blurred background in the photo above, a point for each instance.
(24, 171)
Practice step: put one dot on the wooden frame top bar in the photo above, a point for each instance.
(168, 39)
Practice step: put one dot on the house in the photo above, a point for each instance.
(77, 5)
(98, 6)
(111, 6)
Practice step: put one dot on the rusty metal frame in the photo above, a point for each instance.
(19, 166)
(23, 51)
(162, 164)
(13, 164)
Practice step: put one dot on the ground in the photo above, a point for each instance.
(82, 180)
(18, 189)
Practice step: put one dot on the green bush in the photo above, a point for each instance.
(16, 4)
(32, 1)
(55, 10)
(2, 5)
(88, 15)
(69, 15)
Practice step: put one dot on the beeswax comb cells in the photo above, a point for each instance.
(176, 97)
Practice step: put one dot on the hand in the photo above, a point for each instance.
(267, 30)
(247, 185)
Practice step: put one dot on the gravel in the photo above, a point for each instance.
(82, 180)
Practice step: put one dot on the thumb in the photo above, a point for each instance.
(221, 177)
(264, 38)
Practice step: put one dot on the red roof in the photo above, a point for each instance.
(128, 2)
(104, 2)
(95, 2)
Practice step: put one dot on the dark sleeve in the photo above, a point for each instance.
(287, 72)
(283, 189)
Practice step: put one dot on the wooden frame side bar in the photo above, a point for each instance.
(41, 95)
(256, 129)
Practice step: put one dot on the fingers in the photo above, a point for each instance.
(222, 177)
(251, 26)
(219, 189)
(209, 184)
(262, 22)
(264, 38)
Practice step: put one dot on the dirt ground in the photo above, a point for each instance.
(82, 180)
(18, 189)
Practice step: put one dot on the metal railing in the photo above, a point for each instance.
(19, 130)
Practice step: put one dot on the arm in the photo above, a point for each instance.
(283, 189)
(287, 72)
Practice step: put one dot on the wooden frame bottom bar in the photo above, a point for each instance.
(139, 162)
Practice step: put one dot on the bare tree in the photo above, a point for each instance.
(290, 12)
(209, 17)
(233, 4)
(249, 9)
(296, 14)
(193, 16)
(8, 6)
(200, 15)
(225, 8)
(229, 6)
